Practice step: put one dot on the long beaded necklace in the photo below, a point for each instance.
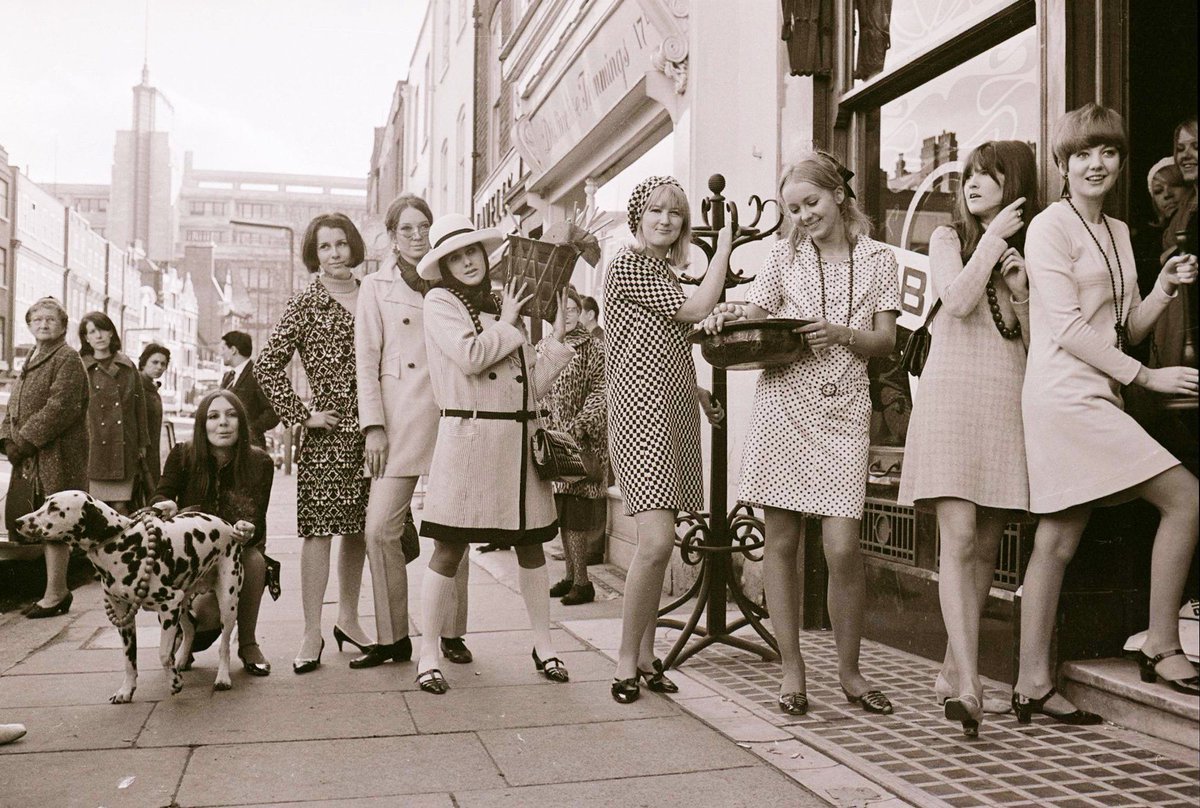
(1118, 301)
(829, 389)
(997, 317)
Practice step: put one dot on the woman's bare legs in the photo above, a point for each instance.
(58, 558)
(989, 531)
(253, 581)
(643, 590)
(847, 596)
(958, 591)
(314, 578)
(352, 554)
(781, 559)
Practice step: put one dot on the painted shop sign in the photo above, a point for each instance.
(605, 70)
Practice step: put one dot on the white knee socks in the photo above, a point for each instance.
(535, 584)
(437, 601)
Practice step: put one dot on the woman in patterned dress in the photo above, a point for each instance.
(806, 451)
(577, 405)
(318, 323)
(1083, 449)
(965, 456)
(654, 405)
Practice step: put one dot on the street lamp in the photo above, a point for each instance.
(291, 233)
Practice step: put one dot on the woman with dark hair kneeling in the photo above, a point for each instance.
(482, 485)
(221, 473)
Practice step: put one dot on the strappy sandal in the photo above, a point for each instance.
(656, 678)
(793, 703)
(552, 668)
(873, 701)
(432, 681)
(1148, 667)
(626, 691)
(1026, 708)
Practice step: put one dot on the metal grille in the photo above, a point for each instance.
(889, 531)
(1008, 561)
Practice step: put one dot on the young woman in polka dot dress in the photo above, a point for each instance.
(654, 405)
(806, 450)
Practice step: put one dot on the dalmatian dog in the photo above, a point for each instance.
(147, 562)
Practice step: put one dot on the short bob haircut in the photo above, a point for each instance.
(150, 350)
(670, 195)
(1011, 163)
(391, 219)
(1087, 127)
(336, 221)
(100, 320)
(821, 170)
(50, 303)
(240, 341)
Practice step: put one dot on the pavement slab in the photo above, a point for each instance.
(730, 788)
(249, 774)
(58, 729)
(579, 752)
(388, 801)
(118, 778)
(67, 689)
(246, 717)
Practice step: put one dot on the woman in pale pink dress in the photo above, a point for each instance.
(1083, 450)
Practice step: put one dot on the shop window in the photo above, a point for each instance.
(3, 199)
(3, 268)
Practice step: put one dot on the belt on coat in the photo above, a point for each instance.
(518, 415)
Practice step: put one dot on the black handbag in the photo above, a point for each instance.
(916, 350)
(410, 541)
(556, 455)
(25, 495)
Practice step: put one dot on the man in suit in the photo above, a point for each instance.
(236, 348)
(589, 317)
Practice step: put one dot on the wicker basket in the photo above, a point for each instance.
(546, 269)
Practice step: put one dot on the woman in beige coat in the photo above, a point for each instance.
(399, 420)
(482, 485)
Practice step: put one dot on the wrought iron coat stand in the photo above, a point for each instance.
(710, 539)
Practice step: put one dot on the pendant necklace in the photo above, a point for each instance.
(1118, 300)
(829, 389)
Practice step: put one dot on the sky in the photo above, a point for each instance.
(291, 86)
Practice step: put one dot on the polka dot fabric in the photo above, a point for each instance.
(641, 196)
(653, 412)
(806, 452)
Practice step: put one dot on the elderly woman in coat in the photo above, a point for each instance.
(399, 420)
(44, 433)
(118, 436)
(482, 485)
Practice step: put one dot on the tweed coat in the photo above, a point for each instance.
(482, 484)
(48, 409)
(394, 391)
(116, 419)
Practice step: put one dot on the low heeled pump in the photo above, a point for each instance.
(968, 710)
(993, 704)
(551, 667)
(1148, 667)
(561, 588)
(582, 593)
(37, 612)
(656, 678)
(255, 668)
(1026, 708)
(341, 637)
(873, 701)
(455, 649)
(400, 651)
(626, 691)
(308, 665)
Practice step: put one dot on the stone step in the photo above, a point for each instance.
(1113, 688)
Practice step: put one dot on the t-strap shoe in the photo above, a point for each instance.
(656, 679)
(1026, 708)
(551, 667)
(873, 701)
(1148, 667)
(432, 681)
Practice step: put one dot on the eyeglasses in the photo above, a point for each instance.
(410, 232)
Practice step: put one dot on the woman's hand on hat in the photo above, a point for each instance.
(722, 313)
(1179, 269)
(560, 315)
(376, 452)
(513, 299)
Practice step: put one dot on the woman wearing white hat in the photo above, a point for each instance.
(482, 485)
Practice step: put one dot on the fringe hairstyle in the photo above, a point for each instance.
(669, 195)
(201, 464)
(1010, 163)
(1084, 128)
(822, 172)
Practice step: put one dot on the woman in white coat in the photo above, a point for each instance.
(399, 420)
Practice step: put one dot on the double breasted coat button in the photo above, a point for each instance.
(405, 321)
(492, 376)
(412, 364)
(520, 379)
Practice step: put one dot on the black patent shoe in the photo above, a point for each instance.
(1148, 667)
(1026, 708)
(626, 691)
(561, 588)
(255, 668)
(432, 681)
(551, 667)
(793, 703)
(341, 637)
(656, 679)
(455, 650)
(873, 701)
(401, 651)
(308, 665)
(37, 612)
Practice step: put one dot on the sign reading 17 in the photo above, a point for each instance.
(639, 31)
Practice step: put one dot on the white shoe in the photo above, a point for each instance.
(10, 732)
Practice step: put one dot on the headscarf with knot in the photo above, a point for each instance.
(640, 198)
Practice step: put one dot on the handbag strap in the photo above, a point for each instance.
(933, 310)
(524, 439)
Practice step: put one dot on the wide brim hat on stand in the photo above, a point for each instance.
(453, 232)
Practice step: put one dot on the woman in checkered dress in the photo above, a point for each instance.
(806, 452)
(654, 405)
